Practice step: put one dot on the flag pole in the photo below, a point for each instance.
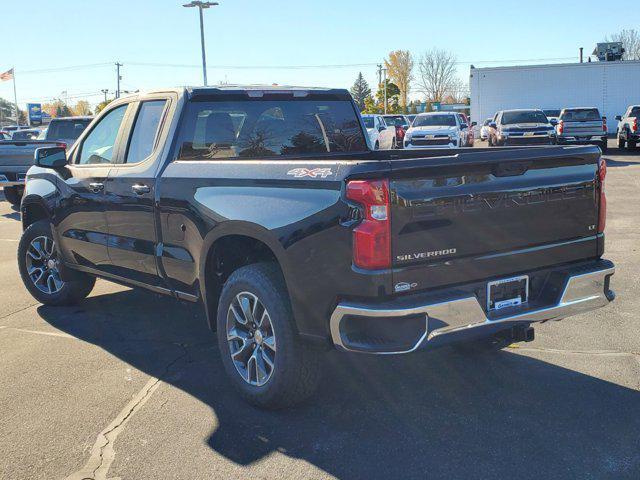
(15, 97)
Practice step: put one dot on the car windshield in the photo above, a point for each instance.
(395, 120)
(266, 128)
(524, 116)
(368, 122)
(487, 121)
(552, 113)
(66, 129)
(581, 115)
(435, 121)
(25, 134)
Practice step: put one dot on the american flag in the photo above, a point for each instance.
(8, 75)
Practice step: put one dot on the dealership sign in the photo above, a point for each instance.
(34, 111)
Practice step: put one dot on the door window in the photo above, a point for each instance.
(145, 130)
(98, 146)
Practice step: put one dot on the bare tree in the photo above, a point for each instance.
(630, 41)
(437, 74)
(400, 68)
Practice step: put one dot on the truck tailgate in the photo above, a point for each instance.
(584, 128)
(474, 216)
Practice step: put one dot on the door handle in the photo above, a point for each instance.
(96, 187)
(141, 189)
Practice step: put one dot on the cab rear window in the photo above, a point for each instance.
(581, 115)
(257, 128)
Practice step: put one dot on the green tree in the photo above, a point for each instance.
(370, 105)
(393, 95)
(360, 91)
(101, 106)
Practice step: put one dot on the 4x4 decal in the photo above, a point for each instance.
(313, 173)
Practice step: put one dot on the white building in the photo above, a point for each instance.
(609, 86)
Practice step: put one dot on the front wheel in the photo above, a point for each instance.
(604, 145)
(262, 354)
(13, 195)
(621, 142)
(39, 266)
(377, 146)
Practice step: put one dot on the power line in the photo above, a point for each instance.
(63, 69)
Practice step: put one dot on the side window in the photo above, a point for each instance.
(145, 130)
(98, 146)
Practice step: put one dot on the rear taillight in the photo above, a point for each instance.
(399, 132)
(372, 237)
(61, 144)
(634, 127)
(602, 211)
(561, 127)
(604, 125)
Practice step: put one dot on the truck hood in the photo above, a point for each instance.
(441, 129)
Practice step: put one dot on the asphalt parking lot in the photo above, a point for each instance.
(128, 385)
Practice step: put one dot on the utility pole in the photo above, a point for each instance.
(118, 77)
(385, 90)
(105, 91)
(201, 6)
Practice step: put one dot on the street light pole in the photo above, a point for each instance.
(201, 6)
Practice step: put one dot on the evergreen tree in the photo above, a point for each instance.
(360, 91)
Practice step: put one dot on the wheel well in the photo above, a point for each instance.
(226, 255)
(33, 213)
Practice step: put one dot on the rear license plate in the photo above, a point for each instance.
(508, 292)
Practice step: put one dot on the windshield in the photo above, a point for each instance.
(581, 115)
(434, 121)
(487, 121)
(368, 122)
(395, 120)
(69, 129)
(552, 113)
(524, 116)
(25, 134)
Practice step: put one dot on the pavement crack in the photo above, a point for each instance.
(103, 452)
(18, 311)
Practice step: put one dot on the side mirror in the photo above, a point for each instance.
(553, 121)
(473, 124)
(619, 118)
(493, 125)
(50, 157)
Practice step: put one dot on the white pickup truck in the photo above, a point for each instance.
(436, 130)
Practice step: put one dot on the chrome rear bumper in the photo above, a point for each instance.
(445, 320)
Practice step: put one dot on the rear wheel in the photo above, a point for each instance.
(261, 352)
(13, 195)
(631, 144)
(39, 266)
(377, 146)
(621, 142)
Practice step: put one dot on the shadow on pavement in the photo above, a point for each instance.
(437, 414)
(15, 215)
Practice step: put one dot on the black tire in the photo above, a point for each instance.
(621, 142)
(604, 145)
(296, 365)
(631, 144)
(71, 291)
(394, 144)
(13, 195)
(376, 146)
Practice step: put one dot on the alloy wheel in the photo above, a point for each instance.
(42, 265)
(251, 339)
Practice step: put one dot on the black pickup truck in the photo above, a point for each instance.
(267, 207)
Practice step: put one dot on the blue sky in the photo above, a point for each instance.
(45, 35)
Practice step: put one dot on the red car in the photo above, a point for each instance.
(401, 124)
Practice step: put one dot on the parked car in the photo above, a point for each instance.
(306, 239)
(582, 126)
(381, 136)
(470, 137)
(16, 155)
(521, 127)
(401, 124)
(31, 134)
(627, 132)
(436, 130)
(4, 136)
(12, 128)
(484, 130)
(66, 129)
